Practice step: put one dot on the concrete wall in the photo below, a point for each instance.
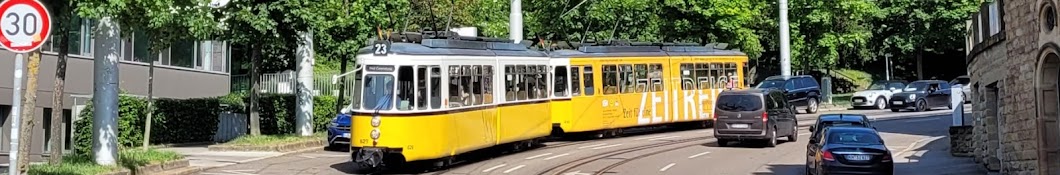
(170, 82)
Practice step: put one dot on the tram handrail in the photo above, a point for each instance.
(335, 78)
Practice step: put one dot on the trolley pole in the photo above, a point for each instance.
(785, 42)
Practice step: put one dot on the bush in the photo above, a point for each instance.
(277, 113)
(77, 164)
(174, 121)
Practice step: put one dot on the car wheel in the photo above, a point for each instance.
(794, 134)
(881, 103)
(921, 105)
(772, 140)
(811, 106)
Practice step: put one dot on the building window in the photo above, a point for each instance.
(1049, 18)
(994, 18)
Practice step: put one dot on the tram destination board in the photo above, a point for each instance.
(379, 68)
(24, 25)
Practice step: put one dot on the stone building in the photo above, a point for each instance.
(1013, 62)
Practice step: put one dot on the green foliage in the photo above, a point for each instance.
(132, 158)
(265, 140)
(323, 111)
(849, 80)
(278, 113)
(82, 164)
(175, 121)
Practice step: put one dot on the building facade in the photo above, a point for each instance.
(1013, 62)
(186, 70)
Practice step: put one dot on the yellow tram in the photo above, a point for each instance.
(602, 89)
(434, 99)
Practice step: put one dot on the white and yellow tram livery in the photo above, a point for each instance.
(439, 98)
(602, 89)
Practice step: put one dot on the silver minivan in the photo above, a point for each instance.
(754, 114)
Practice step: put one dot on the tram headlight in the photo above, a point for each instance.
(375, 134)
(376, 120)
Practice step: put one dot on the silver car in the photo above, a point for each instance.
(966, 89)
(878, 94)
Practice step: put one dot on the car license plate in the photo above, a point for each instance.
(858, 101)
(897, 102)
(739, 126)
(346, 135)
(859, 157)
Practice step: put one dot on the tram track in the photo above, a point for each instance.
(571, 165)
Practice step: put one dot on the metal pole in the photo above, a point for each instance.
(888, 65)
(304, 114)
(15, 115)
(105, 92)
(515, 24)
(785, 42)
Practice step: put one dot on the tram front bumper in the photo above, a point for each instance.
(373, 157)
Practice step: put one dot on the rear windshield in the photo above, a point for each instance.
(853, 137)
(841, 123)
(739, 103)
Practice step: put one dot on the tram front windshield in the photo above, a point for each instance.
(378, 92)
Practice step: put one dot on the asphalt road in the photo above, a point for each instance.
(660, 151)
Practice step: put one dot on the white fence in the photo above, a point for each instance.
(286, 82)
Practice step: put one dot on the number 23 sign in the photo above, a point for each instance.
(24, 25)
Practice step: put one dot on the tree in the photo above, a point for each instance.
(29, 103)
(912, 27)
(61, 11)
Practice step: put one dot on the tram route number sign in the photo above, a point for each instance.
(24, 25)
(380, 48)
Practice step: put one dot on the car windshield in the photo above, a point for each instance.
(739, 103)
(916, 86)
(771, 84)
(879, 85)
(853, 137)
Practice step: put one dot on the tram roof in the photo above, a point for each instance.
(644, 50)
(458, 47)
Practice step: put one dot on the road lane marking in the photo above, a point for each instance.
(608, 146)
(590, 146)
(557, 156)
(539, 155)
(493, 168)
(700, 154)
(513, 169)
(667, 167)
(664, 138)
(650, 137)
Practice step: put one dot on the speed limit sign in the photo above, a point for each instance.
(24, 25)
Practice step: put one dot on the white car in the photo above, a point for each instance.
(877, 95)
(966, 89)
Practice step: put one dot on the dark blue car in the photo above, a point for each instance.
(339, 132)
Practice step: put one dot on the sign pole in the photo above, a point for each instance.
(16, 112)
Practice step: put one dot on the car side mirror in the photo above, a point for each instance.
(812, 128)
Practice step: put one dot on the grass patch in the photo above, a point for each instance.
(841, 99)
(264, 140)
(79, 164)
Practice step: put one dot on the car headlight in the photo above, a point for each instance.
(376, 121)
(375, 134)
(912, 96)
(332, 124)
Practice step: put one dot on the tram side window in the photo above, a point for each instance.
(521, 82)
(702, 75)
(641, 77)
(715, 73)
(575, 81)
(655, 73)
(730, 72)
(487, 84)
(405, 92)
(436, 87)
(467, 93)
(476, 84)
(587, 79)
(687, 75)
(421, 87)
(610, 79)
(626, 77)
(542, 81)
(560, 78)
(454, 87)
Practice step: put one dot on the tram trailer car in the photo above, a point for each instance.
(601, 90)
(434, 100)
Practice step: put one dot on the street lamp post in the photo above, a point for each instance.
(887, 64)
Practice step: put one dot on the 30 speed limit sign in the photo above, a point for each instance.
(24, 25)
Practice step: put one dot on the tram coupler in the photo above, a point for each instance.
(369, 157)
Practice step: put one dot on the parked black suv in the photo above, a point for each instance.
(801, 90)
(922, 95)
(754, 114)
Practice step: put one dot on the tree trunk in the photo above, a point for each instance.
(342, 84)
(150, 102)
(57, 98)
(252, 105)
(304, 113)
(29, 104)
(919, 64)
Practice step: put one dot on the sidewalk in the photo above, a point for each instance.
(200, 156)
(932, 156)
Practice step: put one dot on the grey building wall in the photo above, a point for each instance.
(170, 82)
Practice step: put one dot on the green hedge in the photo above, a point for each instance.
(195, 120)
